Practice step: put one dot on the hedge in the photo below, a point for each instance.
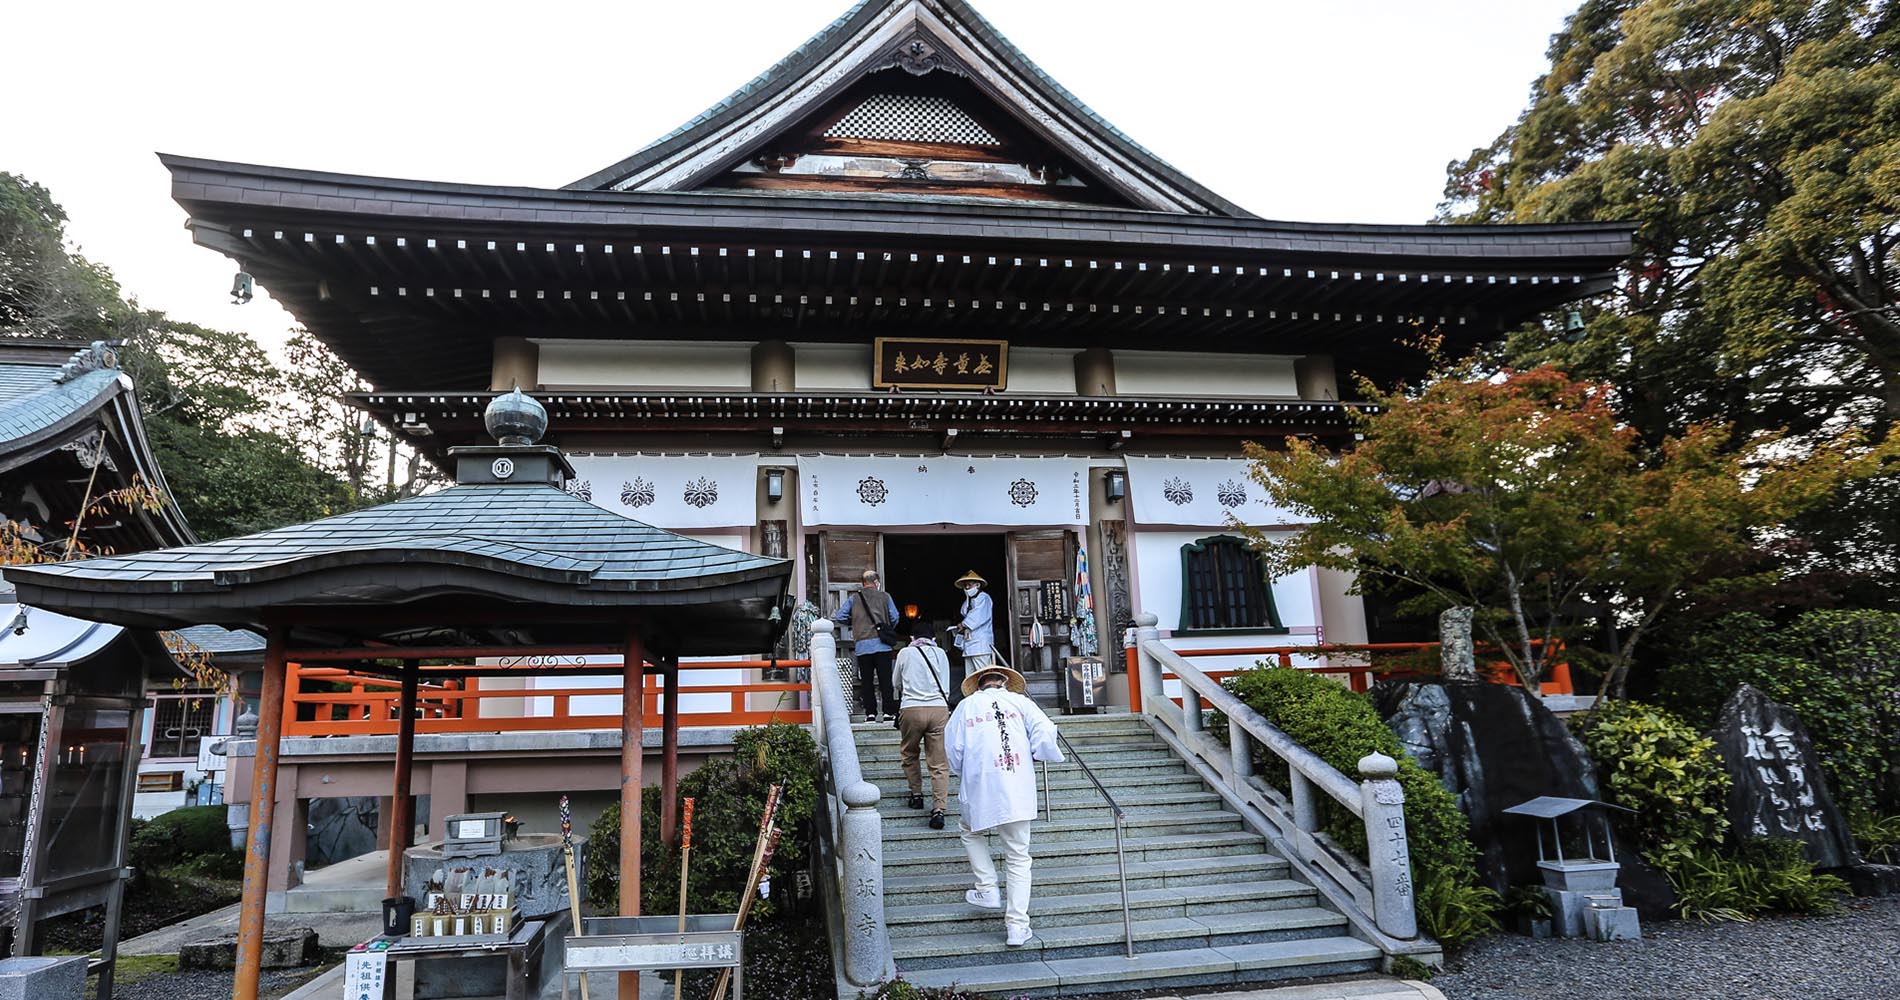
(1341, 727)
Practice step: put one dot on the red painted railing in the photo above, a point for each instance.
(445, 704)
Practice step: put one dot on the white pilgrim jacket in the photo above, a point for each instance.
(993, 740)
(977, 610)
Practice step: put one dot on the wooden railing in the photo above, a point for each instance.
(1358, 663)
(447, 704)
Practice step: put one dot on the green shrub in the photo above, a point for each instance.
(1878, 836)
(1341, 727)
(729, 796)
(193, 833)
(1763, 876)
(1653, 762)
(1529, 902)
(1839, 670)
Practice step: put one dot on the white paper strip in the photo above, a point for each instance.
(671, 491)
(943, 489)
(1200, 492)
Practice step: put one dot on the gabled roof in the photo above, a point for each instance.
(917, 36)
(57, 396)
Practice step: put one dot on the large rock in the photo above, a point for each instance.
(340, 829)
(283, 949)
(1495, 746)
(1778, 788)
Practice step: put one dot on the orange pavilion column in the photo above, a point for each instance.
(270, 728)
(633, 703)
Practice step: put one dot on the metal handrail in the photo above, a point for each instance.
(1121, 861)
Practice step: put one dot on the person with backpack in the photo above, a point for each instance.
(923, 675)
(871, 614)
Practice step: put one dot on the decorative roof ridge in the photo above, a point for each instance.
(779, 78)
(98, 355)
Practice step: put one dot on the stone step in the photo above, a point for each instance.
(949, 913)
(1133, 771)
(1073, 729)
(1206, 966)
(1104, 935)
(1085, 878)
(343, 899)
(1067, 826)
(1068, 803)
(1169, 850)
(1100, 755)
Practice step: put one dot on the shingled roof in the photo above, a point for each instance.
(501, 553)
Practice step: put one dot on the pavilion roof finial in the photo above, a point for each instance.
(516, 418)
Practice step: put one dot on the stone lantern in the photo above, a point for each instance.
(1581, 882)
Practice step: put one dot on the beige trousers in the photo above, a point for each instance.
(925, 725)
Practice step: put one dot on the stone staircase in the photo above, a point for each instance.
(1210, 904)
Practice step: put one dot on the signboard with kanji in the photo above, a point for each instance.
(917, 363)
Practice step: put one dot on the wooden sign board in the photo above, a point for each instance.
(917, 363)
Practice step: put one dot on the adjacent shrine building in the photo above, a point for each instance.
(901, 301)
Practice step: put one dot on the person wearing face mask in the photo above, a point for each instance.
(973, 631)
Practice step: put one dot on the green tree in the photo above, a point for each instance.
(1525, 496)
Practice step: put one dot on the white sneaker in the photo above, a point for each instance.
(1018, 937)
(989, 899)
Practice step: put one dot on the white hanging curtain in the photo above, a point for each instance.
(943, 489)
(1200, 492)
(676, 492)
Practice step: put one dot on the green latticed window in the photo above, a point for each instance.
(1224, 585)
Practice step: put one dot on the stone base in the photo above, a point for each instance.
(1571, 907)
(39, 976)
(283, 949)
(1618, 923)
(1870, 880)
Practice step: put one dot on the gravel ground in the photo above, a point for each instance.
(210, 984)
(1853, 954)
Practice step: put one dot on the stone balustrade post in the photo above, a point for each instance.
(1388, 854)
(867, 949)
(1305, 809)
(1241, 749)
(1147, 630)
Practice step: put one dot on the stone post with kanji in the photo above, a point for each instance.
(1388, 853)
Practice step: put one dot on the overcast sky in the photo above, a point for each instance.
(1331, 111)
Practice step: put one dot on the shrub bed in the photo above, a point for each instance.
(729, 797)
(1341, 727)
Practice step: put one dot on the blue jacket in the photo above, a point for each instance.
(873, 644)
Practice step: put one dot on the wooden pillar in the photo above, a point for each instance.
(670, 750)
(270, 728)
(402, 805)
(633, 708)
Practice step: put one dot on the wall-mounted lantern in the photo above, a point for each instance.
(774, 485)
(1115, 487)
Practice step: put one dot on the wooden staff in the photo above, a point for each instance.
(573, 886)
(769, 846)
(686, 857)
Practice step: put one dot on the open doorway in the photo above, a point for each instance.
(920, 571)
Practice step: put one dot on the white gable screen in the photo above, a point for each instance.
(942, 489)
(671, 491)
(1200, 492)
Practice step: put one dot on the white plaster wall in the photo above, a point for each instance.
(1042, 370)
(667, 364)
(1173, 373)
(832, 366)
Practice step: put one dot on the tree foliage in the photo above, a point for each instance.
(1756, 143)
(1526, 497)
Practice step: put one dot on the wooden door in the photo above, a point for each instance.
(843, 558)
(1041, 586)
